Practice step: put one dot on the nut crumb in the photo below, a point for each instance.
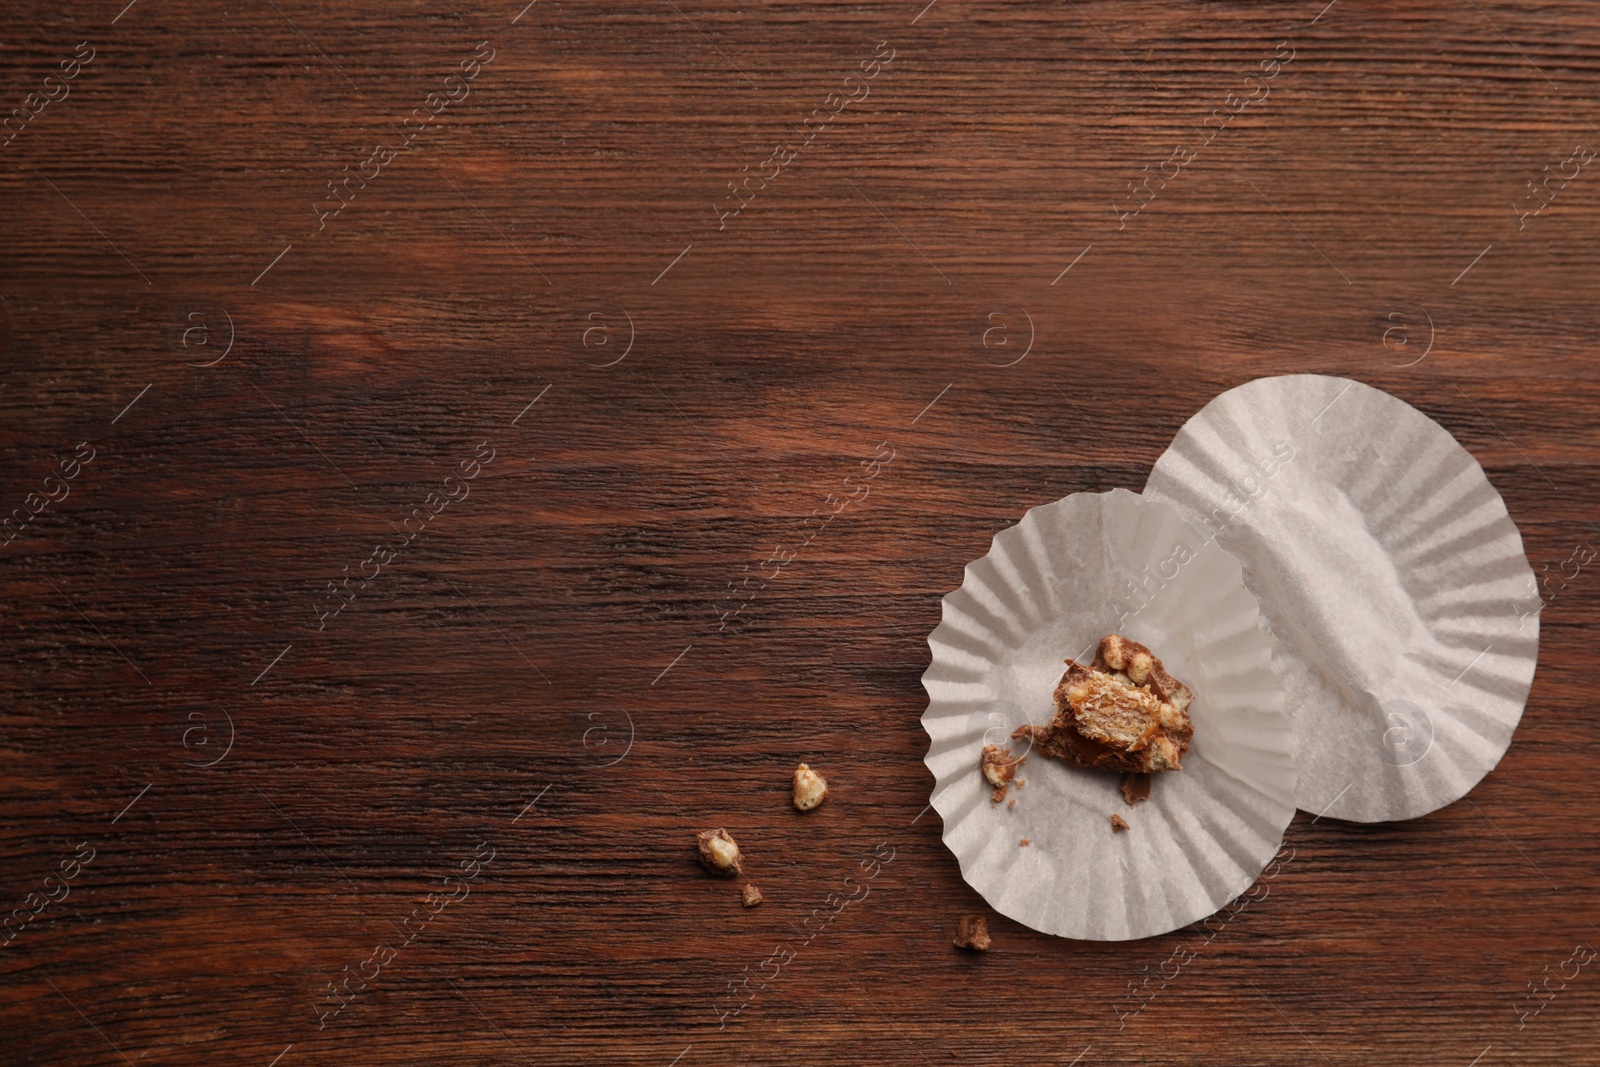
(752, 895)
(719, 852)
(810, 788)
(1025, 842)
(999, 765)
(1118, 824)
(973, 933)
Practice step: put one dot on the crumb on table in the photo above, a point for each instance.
(719, 853)
(810, 788)
(752, 895)
(1025, 842)
(973, 933)
(1118, 823)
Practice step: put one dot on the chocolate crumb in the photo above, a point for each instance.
(1135, 787)
(1118, 824)
(752, 895)
(973, 933)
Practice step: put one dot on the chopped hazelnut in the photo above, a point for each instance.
(810, 788)
(719, 852)
(1115, 652)
(752, 895)
(973, 933)
(1118, 824)
(1170, 717)
(999, 765)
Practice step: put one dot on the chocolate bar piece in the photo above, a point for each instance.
(1123, 712)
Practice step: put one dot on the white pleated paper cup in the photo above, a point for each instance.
(1405, 611)
(1050, 587)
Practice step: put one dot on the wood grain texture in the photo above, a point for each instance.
(499, 657)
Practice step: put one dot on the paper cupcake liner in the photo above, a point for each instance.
(1050, 587)
(1385, 563)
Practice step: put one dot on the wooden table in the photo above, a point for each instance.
(453, 304)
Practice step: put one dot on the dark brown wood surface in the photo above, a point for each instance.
(545, 673)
